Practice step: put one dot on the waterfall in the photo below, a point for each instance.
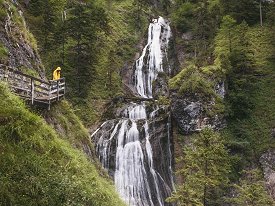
(159, 33)
(129, 145)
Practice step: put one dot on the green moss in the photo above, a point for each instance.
(191, 81)
(38, 168)
(176, 81)
(163, 100)
(29, 71)
(3, 13)
(4, 53)
(64, 120)
(196, 84)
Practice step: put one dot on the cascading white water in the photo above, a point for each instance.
(159, 33)
(136, 179)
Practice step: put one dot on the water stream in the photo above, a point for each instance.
(135, 147)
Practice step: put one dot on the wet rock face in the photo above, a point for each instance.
(267, 161)
(22, 55)
(190, 115)
(160, 87)
(138, 142)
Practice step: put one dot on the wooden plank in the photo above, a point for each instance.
(41, 87)
(23, 74)
(21, 79)
(41, 93)
(36, 79)
(20, 88)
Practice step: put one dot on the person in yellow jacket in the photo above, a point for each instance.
(57, 73)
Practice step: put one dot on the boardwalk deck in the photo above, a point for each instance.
(36, 91)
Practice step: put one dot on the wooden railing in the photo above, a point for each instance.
(33, 89)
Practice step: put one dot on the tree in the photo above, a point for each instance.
(206, 165)
(84, 24)
(240, 79)
(139, 7)
(44, 16)
(233, 45)
(242, 10)
(201, 18)
(224, 38)
(251, 190)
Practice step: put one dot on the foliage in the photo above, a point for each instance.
(201, 18)
(3, 53)
(84, 23)
(163, 100)
(242, 53)
(104, 46)
(191, 81)
(63, 118)
(259, 119)
(37, 167)
(205, 170)
(251, 191)
(3, 13)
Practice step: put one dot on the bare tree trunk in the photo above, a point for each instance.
(261, 13)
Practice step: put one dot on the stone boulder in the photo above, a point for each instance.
(267, 161)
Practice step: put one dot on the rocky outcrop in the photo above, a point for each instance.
(267, 161)
(190, 114)
(16, 38)
(160, 86)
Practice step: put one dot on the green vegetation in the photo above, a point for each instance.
(191, 81)
(37, 167)
(3, 12)
(251, 191)
(91, 42)
(63, 119)
(237, 50)
(3, 53)
(205, 170)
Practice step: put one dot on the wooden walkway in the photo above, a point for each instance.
(35, 90)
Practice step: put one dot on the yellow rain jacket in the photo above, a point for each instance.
(57, 73)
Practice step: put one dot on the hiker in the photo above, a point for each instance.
(57, 73)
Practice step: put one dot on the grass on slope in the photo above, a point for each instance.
(38, 168)
(67, 124)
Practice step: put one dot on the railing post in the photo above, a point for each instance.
(6, 73)
(32, 90)
(58, 89)
(64, 86)
(50, 90)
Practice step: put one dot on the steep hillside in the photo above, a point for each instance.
(38, 167)
(18, 46)
(48, 162)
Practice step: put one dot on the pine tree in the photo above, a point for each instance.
(84, 24)
(251, 190)
(241, 77)
(44, 16)
(225, 36)
(205, 169)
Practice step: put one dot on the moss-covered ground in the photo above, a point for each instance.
(39, 168)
